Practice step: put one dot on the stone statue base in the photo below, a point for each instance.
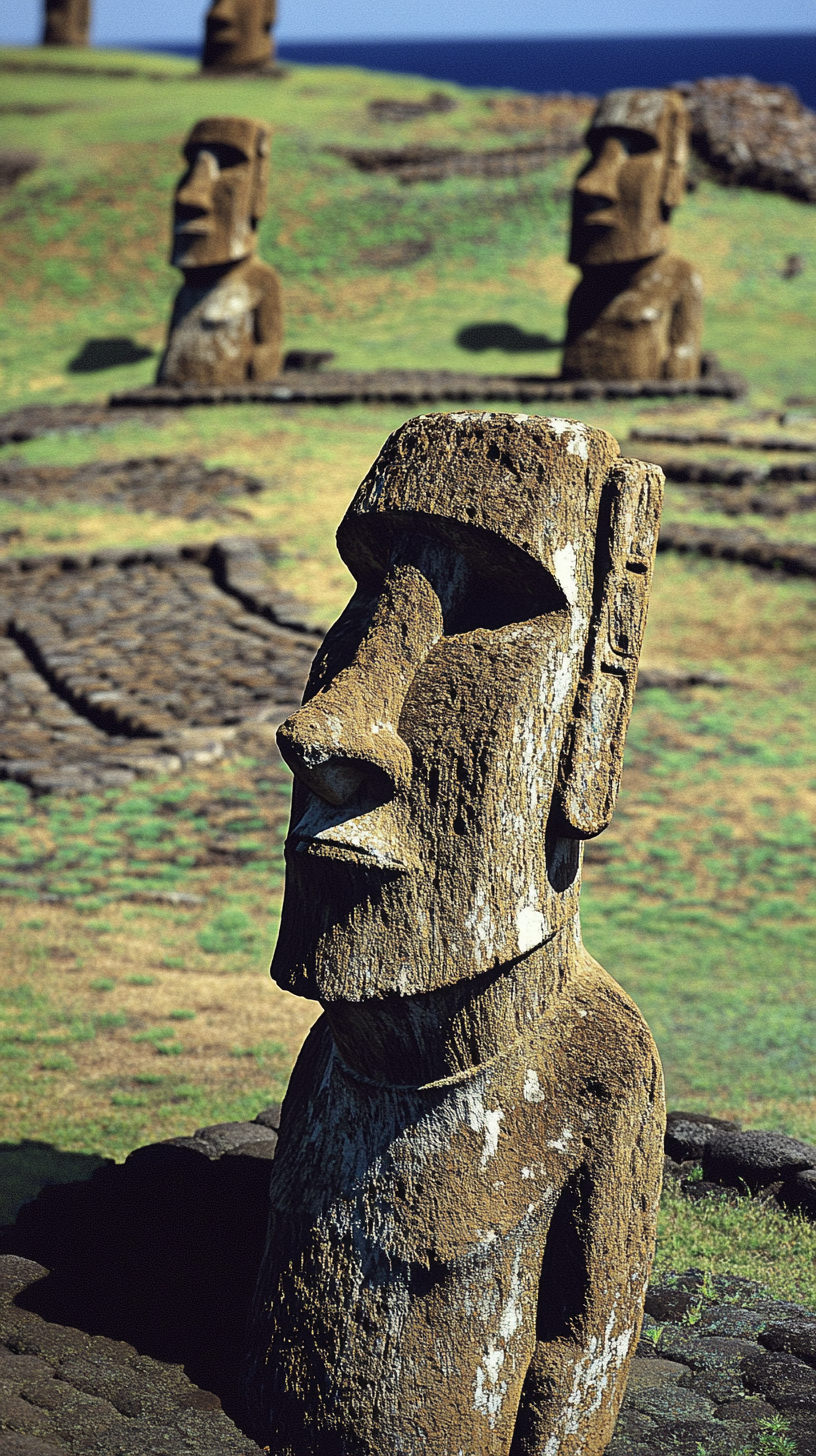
(640, 320)
(219, 316)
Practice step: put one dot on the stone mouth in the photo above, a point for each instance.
(372, 856)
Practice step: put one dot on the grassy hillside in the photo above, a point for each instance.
(122, 1022)
(85, 238)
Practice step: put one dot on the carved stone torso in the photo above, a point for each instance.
(214, 331)
(409, 1232)
(641, 323)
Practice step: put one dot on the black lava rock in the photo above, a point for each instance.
(688, 1133)
(755, 1159)
(794, 1336)
(788, 1383)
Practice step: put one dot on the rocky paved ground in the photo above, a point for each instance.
(718, 1361)
(168, 485)
(125, 663)
(63, 1390)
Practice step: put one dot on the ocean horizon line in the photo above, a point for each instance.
(584, 64)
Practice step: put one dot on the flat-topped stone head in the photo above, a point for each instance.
(237, 35)
(623, 198)
(67, 22)
(445, 762)
(222, 194)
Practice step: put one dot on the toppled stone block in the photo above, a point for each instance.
(755, 1158)
(689, 1133)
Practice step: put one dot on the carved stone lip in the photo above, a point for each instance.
(346, 853)
(357, 832)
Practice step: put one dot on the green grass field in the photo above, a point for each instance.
(122, 1021)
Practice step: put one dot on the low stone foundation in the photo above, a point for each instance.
(159, 1255)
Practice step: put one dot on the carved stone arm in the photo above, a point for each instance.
(591, 1293)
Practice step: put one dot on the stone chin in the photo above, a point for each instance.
(355, 930)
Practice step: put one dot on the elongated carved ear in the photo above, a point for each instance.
(677, 153)
(592, 756)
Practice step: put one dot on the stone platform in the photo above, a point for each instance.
(121, 664)
(426, 386)
(159, 1255)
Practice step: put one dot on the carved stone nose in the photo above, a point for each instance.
(602, 178)
(196, 191)
(350, 732)
(339, 739)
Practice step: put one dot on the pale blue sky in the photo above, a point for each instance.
(119, 21)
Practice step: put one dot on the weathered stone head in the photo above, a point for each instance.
(464, 1194)
(624, 196)
(67, 22)
(464, 723)
(237, 35)
(222, 195)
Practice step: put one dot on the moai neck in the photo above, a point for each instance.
(417, 1039)
(614, 278)
(208, 277)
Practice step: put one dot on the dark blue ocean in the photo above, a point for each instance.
(592, 65)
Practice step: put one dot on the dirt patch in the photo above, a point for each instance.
(796, 558)
(33, 421)
(397, 255)
(435, 164)
(559, 116)
(16, 162)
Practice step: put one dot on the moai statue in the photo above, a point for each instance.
(637, 312)
(67, 22)
(227, 320)
(237, 36)
(464, 1196)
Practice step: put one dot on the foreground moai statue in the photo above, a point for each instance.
(238, 36)
(637, 312)
(67, 22)
(227, 320)
(464, 1195)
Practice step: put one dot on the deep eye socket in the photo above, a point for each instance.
(634, 143)
(224, 155)
(493, 607)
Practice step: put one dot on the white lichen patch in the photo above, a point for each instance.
(531, 927)
(533, 1092)
(483, 1120)
(562, 1144)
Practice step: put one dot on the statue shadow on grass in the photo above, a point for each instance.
(98, 354)
(507, 337)
(29, 1166)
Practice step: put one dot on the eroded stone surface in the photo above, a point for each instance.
(464, 1191)
(67, 22)
(237, 36)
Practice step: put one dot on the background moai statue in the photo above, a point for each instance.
(227, 320)
(464, 1196)
(237, 36)
(637, 312)
(67, 22)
